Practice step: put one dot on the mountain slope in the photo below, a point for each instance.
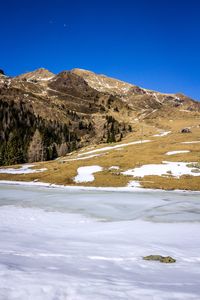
(44, 115)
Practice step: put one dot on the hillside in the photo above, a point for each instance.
(93, 120)
(44, 115)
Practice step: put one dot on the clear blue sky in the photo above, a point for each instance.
(154, 44)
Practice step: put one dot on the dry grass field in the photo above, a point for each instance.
(64, 169)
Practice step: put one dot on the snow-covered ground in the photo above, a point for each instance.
(60, 245)
(83, 158)
(176, 169)
(24, 169)
(192, 142)
(85, 174)
(163, 133)
(134, 184)
(177, 152)
(108, 148)
(114, 168)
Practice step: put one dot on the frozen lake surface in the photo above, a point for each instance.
(61, 244)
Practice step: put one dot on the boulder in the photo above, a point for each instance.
(186, 130)
(167, 260)
(162, 259)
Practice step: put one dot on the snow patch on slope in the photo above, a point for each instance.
(175, 169)
(85, 174)
(114, 147)
(192, 142)
(162, 133)
(177, 152)
(85, 157)
(26, 169)
(114, 168)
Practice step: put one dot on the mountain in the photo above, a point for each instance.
(45, 115)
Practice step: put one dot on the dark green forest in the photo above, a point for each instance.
(17, 127)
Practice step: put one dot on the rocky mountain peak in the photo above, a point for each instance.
(38, 74)
(103, 83)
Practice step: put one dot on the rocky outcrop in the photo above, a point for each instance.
(186, 130)
(162, 259)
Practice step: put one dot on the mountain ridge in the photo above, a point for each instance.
(66, 111)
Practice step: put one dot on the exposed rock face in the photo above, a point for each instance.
(103, 83)
(43, 115)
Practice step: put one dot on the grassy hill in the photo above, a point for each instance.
(83, 119)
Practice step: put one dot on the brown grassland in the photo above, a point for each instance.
(63, 170)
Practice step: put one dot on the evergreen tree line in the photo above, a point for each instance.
(18, 124)
(114, 129)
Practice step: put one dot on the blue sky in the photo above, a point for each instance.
(154, 44)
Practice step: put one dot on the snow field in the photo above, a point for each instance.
(89, 245)
(175, 169)
(24, 169)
